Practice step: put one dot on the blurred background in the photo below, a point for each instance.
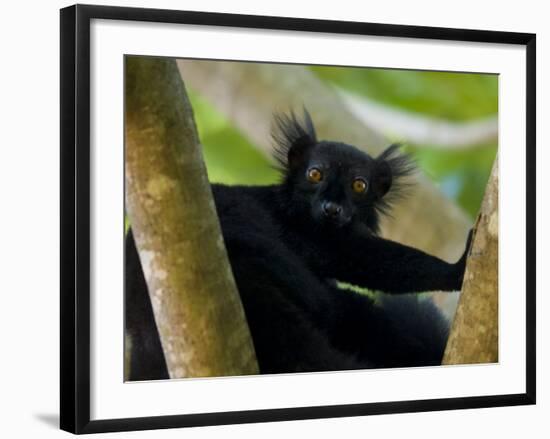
(447, 121)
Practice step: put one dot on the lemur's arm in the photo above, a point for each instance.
(388, 266)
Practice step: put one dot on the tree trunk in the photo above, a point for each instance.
(197, 308)
(474, 334)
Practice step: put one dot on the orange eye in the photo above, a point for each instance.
(359, 185)
(314, 175)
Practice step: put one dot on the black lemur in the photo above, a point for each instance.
(289, 243)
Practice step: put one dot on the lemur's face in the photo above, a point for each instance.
(336, 182)
(331, 183)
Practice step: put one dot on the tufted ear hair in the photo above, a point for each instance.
(389, 180)
(389, 168)
(293, 139)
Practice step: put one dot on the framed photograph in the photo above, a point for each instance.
(275, 218)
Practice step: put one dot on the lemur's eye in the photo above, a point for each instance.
(359, 185)
(314, 175)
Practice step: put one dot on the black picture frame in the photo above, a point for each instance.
(75, 217)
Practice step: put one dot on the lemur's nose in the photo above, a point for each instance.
(331, 209)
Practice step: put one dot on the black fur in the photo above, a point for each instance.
(287, 249)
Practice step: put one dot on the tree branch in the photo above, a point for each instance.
(422, 129)
(474, 334)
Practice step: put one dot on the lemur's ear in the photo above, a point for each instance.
(389, 169)
(293, 139)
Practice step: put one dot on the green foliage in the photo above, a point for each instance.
(230, 158)
(453, 96)
(460, 174)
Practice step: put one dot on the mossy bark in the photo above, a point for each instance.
(474, 333)
(197, 308)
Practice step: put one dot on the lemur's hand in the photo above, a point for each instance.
(460, 266)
